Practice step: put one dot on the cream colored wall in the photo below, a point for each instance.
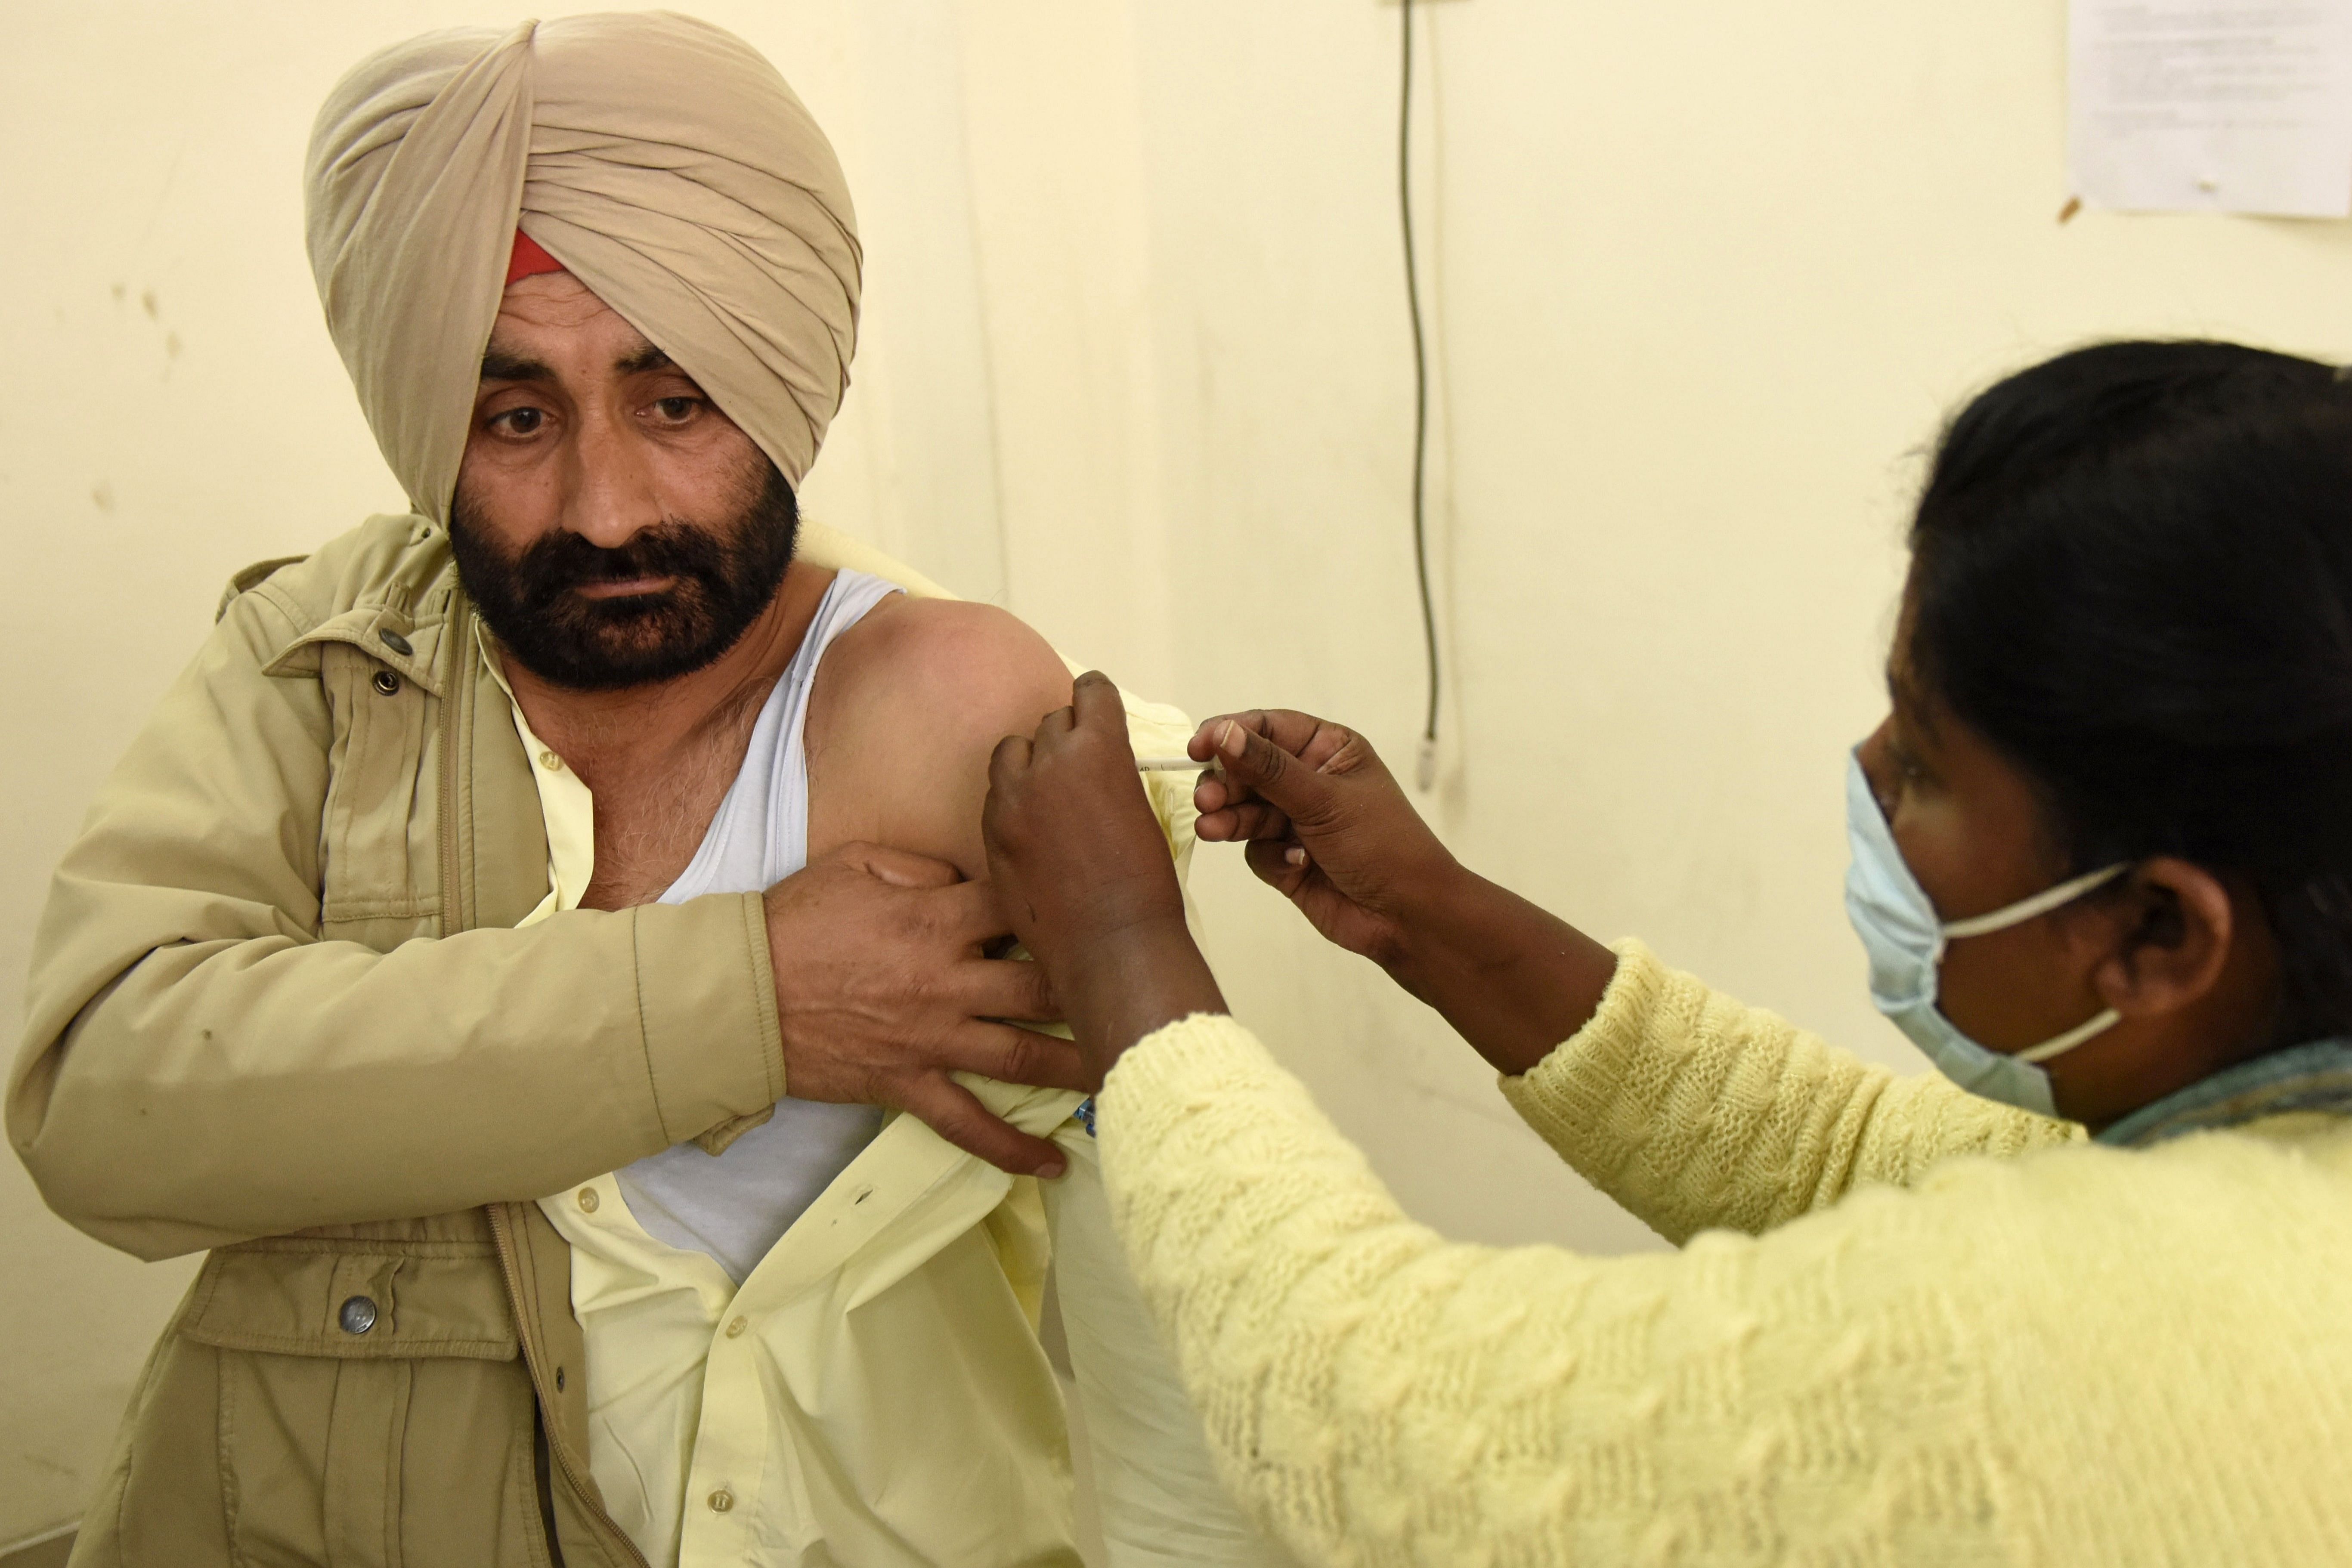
(1701, 279)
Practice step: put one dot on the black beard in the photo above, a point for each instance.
(725, 577)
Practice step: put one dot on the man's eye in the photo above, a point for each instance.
(519, 421)
(677, 410)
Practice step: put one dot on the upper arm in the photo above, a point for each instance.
(207, 827)
(905, 711)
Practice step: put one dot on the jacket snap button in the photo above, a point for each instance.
(394, 641)
(588, 1199)
(358, 1315)
(386, 682)
(721, 1500)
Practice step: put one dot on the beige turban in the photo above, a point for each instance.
(659, 158)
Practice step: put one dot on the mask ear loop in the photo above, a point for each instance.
(2040, 903)
(2070, 1040)
(2024, 909)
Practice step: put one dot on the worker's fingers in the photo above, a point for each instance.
(1211, 791)
(1214, 790)
(1005, 988)
(1274, 775)
(899, 867)
(1323, 747)
(1096, 702)
(1009, 760)
(1281, 864)
(1056, 726)
(1250, 819)
(1013, 1054)
(1292, 731)
(951, 1110)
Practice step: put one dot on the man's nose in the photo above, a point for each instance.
(613, 492)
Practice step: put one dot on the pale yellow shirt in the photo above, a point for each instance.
(875, 1392)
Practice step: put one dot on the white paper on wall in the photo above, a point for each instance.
(2240, 106)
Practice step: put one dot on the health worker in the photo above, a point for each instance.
(2084, 1297)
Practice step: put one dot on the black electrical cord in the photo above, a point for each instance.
(1426, 771)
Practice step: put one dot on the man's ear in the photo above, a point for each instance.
(2167, 929)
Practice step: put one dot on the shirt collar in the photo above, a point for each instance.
(2315, 1077)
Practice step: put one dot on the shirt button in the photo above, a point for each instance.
(358, 1315)
(551, 761)
(588, 1200)
(737, 1327)
(721, 1500)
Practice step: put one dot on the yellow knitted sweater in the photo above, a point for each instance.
(2063, 1354)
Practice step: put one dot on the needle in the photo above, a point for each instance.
(1171, 766)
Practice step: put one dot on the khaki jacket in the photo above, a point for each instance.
(235, 1041)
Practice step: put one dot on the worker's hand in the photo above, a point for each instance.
(1326, 824)
(1084, 871)
(883, 990)
(1329, 828)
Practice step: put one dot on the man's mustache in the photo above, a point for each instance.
(563, 561)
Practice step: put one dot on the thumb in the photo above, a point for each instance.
(1302, 793)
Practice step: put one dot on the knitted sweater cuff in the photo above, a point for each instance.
(1576, 1096)
(1163, 1074)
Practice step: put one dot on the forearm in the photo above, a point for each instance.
(1130, 981)
(1512, 979)
(216, 1089)
(1696, 1112)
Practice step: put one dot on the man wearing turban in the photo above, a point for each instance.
(609, 1151)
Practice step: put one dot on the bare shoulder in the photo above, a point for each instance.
(908, 706)
(958, 669)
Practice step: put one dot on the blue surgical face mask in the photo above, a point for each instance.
(1898, 925)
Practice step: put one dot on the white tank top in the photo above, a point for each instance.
(738, 1204)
